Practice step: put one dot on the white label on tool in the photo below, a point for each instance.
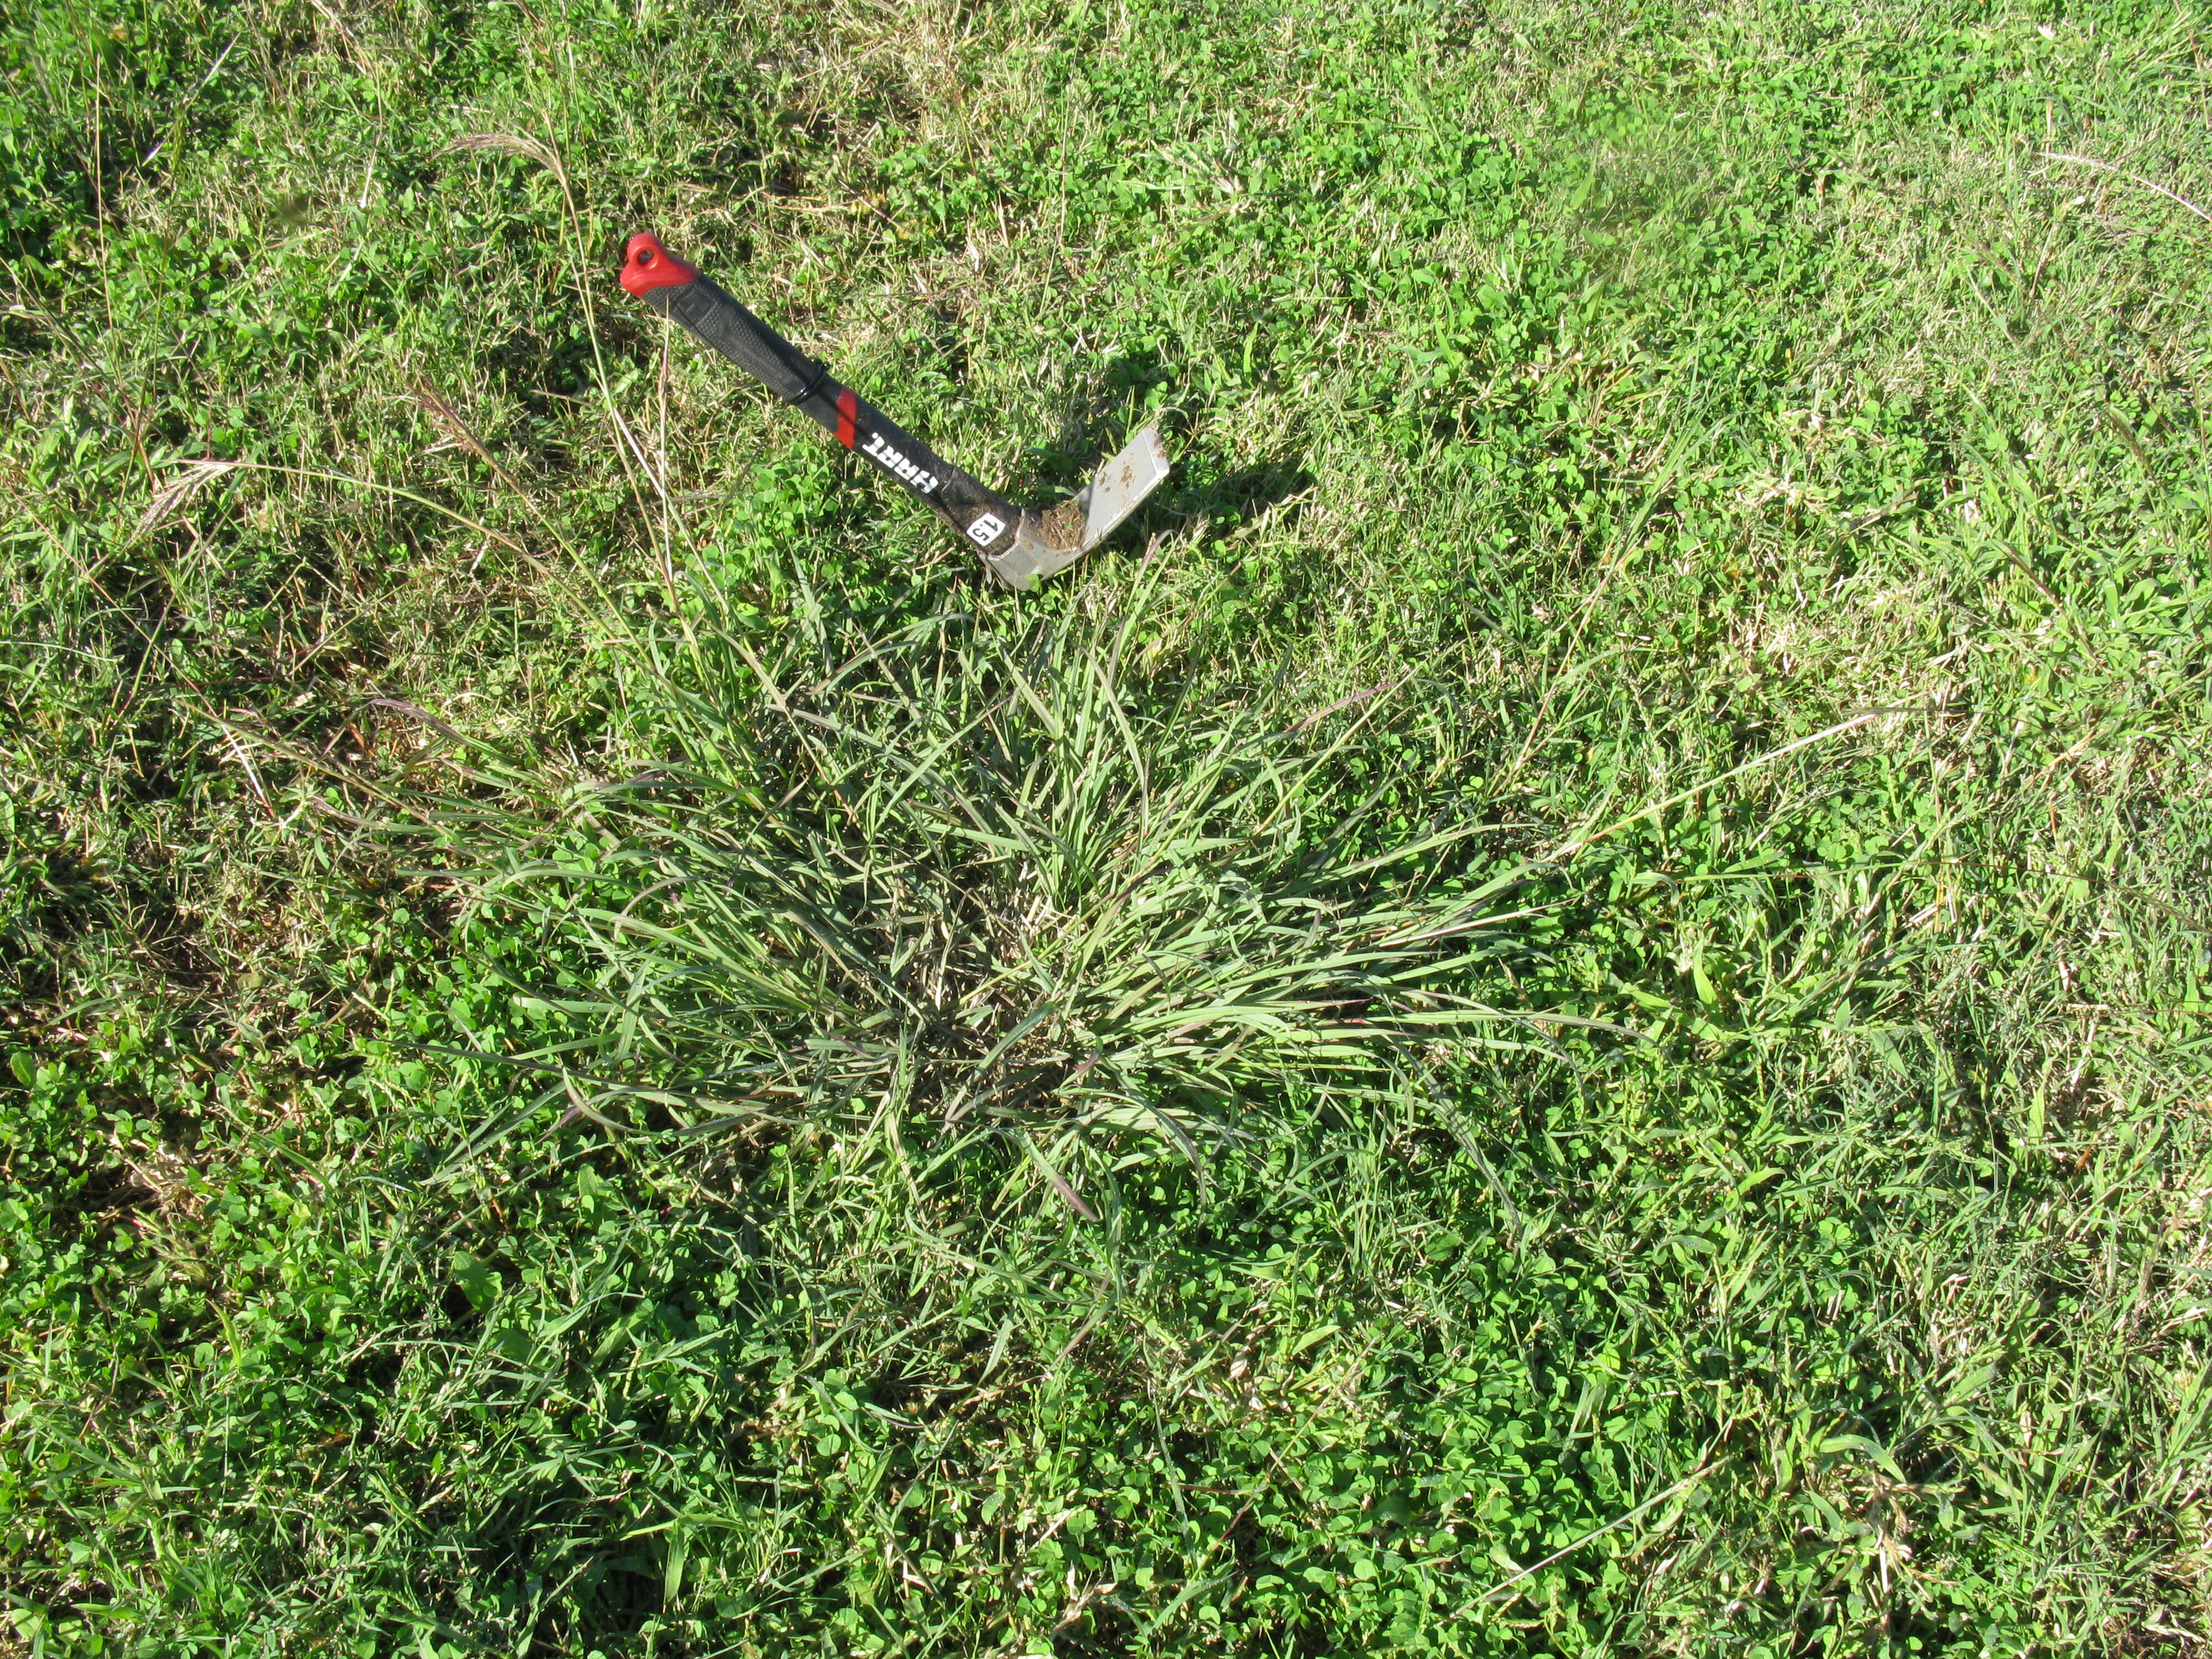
(898, 464)
(985, 530)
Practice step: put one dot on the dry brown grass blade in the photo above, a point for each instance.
(511, 143)
(2135, 178)
(172, 497)
(354, 50)
(514, 144)
(458, 431)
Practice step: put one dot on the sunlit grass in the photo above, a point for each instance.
(1560, 1008)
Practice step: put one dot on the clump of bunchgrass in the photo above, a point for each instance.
(977, 870)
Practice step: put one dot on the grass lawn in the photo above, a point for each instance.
(1558, 1008)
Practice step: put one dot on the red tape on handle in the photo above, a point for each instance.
(648, 265)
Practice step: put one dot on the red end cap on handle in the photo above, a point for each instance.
(649, 266)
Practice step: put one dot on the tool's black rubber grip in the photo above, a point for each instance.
(717, 320)
(679, 292)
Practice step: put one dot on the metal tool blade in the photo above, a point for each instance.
(1049, 541)
(1121, 485)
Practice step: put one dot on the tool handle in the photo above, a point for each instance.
(679, 292)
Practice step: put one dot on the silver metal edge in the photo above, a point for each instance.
(1107, 500)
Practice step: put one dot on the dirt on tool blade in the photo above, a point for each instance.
(1063, 524)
